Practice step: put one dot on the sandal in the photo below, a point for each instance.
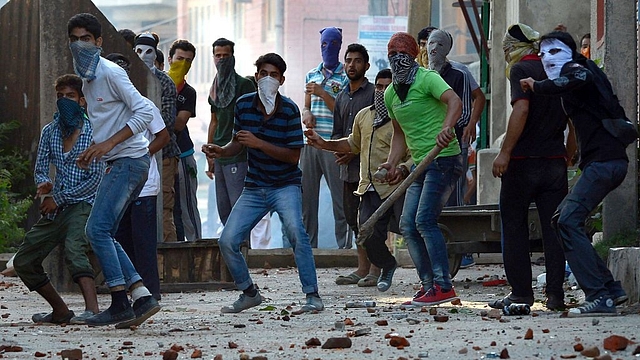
(48, 318)
(369, 280)
(350, 279)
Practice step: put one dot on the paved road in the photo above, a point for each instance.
(193, 322)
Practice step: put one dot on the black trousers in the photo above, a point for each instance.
(543, 181)
(377, 250)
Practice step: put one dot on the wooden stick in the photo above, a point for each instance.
(366, 229)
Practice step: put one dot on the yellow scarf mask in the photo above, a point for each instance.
(178, 70)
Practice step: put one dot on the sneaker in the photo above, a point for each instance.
(618, 295)
(602, 306)
(385, 279)
(435, 296)
(418, 294)
(510, 299)
(107, 318)
(82, 318)
(244, 302)
(467, 261)
(314, 303)
(143, 308)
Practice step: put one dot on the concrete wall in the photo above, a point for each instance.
(35, 50)
(617, 51)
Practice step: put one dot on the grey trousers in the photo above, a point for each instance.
(229, 185)
(187, 191)
(314, 164)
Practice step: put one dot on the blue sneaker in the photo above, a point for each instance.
(385, 279)
(602, 306)
(467, 261)
(617, 293)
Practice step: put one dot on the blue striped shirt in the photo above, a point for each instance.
(72, 184)
(283, 128)
(333, 85)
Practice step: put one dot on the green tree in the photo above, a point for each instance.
(13, 205)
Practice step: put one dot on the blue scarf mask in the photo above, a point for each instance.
(86, 56)
(69, 116)
(332, 36)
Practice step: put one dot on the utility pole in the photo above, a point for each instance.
(419, 15)
(379, 7)
(280, 27)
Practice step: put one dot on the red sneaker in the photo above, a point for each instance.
(418, 294)
(435, 296)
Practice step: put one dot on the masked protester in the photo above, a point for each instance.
(372, 130)
(532, 167)
(423, 54)
(137, 231)
(65, 204)
(424, 111)
(588, 99)
(119, 122)
(226, 88)
(434, 56)
(438, 46)
(585, 45)
(323, 84)
(185, 212)
(273, 140)
(356, 96)
(145, 47)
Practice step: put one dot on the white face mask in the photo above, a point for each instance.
(267, 91)
(147, 54)
(554, 54)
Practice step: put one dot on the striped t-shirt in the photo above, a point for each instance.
(333, 85)
(283, 128)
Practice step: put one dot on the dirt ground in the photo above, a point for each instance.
(192, 325)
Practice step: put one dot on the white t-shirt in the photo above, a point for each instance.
(153, 185)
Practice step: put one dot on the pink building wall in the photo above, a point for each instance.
(302, 23)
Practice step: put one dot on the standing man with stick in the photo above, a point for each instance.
(424, 111)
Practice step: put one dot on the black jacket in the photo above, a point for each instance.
(587, 98)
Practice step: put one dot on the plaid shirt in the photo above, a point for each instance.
(72, 184)
(169, 94)
(333, 85)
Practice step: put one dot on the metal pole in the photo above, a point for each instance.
(280, 27)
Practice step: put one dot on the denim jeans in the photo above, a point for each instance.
(544, 181)
(457, 195)
(595, 182)
(423, 204)
(123, 180)
(138, 236)
(252, 206)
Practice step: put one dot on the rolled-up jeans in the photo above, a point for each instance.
(423, 203)
(123, 180)
(253, 205)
